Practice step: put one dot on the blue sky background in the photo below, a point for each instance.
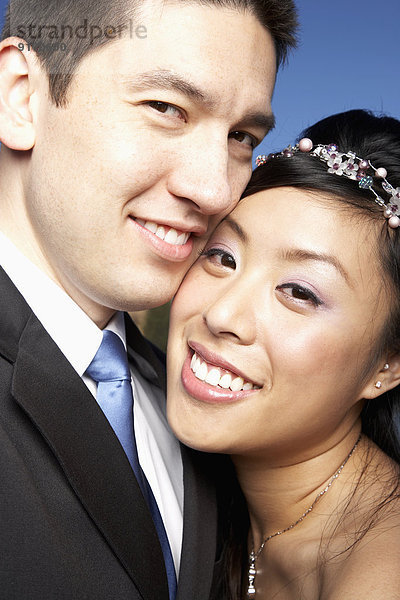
(348, 58)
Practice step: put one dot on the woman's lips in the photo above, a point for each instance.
(217, 376)
(216, 361)
(212, 384)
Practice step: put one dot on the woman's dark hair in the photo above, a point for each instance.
(376, 138)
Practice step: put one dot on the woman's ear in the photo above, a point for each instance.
(19, 67)
(384, 378)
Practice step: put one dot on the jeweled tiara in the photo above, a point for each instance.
(348, 164)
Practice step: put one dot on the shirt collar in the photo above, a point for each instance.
(77, 336)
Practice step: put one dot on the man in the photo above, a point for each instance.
(127, 131)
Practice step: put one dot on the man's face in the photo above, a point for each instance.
(153, 149)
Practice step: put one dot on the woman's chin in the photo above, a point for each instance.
(193, 435)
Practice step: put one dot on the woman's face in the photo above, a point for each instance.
(282, 311)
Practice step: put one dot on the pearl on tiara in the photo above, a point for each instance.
(381, 173)
(348, 164)
(305, 145)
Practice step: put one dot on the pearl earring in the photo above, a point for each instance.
(385, 367)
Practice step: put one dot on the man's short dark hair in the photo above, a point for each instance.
(62, 32)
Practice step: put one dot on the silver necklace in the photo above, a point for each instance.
(252, 572)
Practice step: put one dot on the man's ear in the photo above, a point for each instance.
(18, 70)
(385, 378)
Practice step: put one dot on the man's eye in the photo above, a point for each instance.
(244, 138)
(220, 257)
(166, 109)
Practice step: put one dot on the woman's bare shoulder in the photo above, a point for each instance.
(370, 569)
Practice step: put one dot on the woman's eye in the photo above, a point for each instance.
(166, 109)
(297, 292)
(220, 257)
(244, 138)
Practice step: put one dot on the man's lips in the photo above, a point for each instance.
(177, 249)
(166, 233)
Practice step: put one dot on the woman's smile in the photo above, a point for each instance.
(271, 324)
(210, 378)
(284, 355)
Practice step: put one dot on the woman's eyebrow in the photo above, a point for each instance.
(302, 255)
(296, 254)
(236, 228)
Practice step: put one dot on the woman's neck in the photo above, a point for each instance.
(277, 496)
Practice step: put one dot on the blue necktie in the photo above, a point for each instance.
(110, 369)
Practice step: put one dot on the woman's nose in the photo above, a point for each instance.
(232, 314)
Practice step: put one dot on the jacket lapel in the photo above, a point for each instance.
(199, 527)
(59, 404)
(142, 354)
(200, 507)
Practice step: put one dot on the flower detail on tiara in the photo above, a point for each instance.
(337, 164)
(348, 164)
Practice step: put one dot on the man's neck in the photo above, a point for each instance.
(100, 315)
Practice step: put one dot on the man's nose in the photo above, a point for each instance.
(204, 176)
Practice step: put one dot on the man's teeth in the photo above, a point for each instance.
(171, 236)
(214, 376)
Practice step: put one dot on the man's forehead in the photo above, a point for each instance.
(188, 45)
(213, 71)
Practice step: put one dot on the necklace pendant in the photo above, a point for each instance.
(251, 590)
(252, 572)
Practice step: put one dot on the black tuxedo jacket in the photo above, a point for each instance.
(73, 523)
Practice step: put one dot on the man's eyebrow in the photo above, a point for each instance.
(264, 121)
(168, 80)
(165, 79)
(299, 254)
(236, 228)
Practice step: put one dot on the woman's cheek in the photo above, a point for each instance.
(192, 296)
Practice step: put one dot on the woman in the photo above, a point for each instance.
(284, 353)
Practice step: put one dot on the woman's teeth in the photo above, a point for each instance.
(168, 234)
(214, 376)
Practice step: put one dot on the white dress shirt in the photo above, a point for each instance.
(79, 338)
